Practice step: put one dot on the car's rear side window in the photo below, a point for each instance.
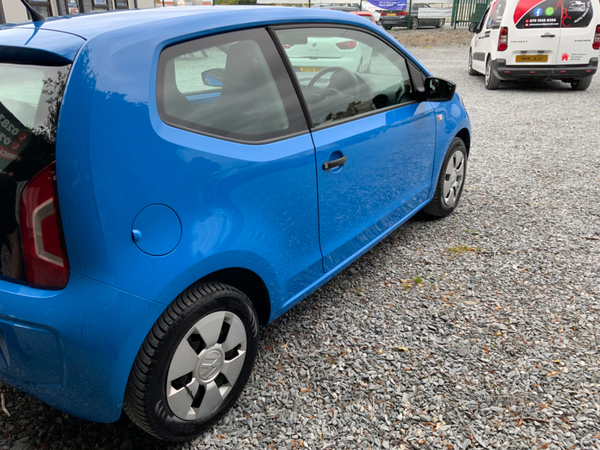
(232, 86)
(30, 98)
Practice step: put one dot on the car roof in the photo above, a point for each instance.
(90, 25)
(117, 29)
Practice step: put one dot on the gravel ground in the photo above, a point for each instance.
(477, 331)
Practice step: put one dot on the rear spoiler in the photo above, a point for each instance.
(26, 55)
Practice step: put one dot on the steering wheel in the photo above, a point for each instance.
(330, 93)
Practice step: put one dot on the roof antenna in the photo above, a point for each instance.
(35, 16)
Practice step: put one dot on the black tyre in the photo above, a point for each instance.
(387, 28)
(581, 85)
(442, 22)
(414, 24)
(470, 69)
(194, 363)
(491, 81)
(450, 182)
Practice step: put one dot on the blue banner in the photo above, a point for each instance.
(389, 4)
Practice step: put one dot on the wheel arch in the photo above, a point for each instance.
(466, 137)
(250, 284)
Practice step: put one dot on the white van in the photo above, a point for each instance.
(536, 39)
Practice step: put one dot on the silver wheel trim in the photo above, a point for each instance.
(198, 381)
(470, 61)
(488, 71)
(453, 178)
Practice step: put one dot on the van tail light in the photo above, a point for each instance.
(346, 45)
(596, 44)
(503, 39)
(42, 235)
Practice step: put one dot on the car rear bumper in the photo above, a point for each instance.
(504, 72)
(73, 348)
(393, 21)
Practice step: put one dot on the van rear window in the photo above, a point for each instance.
(30, 98)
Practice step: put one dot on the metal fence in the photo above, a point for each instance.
(467, 11)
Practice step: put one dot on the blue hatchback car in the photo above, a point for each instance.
(172, 179)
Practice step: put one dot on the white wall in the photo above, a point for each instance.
(143, 4)
(14, 11)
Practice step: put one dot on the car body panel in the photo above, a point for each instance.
(62, 46)
(171, 157)
(91, 333)
(357, 202)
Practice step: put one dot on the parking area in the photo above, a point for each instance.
(480, 330)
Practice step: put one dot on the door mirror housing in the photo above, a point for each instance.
(439, 90)
(213, 77)
(473, 27)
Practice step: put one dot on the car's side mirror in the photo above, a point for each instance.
(213, 77)
(439, 90)
(473, 27)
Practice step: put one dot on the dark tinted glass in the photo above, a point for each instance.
(30, 98)
(232, 85)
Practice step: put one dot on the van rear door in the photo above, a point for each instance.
(534, 36)
(577, 32)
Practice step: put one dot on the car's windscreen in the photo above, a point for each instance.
(30, 97)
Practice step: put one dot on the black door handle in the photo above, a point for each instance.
(548, 35)
(336, 162)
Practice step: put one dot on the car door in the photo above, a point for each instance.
(374, 141)
(534, 33)
(577, 32)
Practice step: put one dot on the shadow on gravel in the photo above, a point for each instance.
(35, 425)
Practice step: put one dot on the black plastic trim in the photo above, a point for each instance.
(291, 75)
(327, 165)
(479, 56)
(24, 55)
(499, 68)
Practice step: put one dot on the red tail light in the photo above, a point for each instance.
(403, 13)
(596, 44)
(384, 14)
(44, 247)
(503, 39)
(346, 45)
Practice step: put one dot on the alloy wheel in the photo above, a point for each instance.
(206, 365)
(454, 177)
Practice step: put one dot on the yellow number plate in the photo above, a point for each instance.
(391, 14)
(532, 58)
(311, 69)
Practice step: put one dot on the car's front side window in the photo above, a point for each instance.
(344, 72)
(483, 21)
(232, 85)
